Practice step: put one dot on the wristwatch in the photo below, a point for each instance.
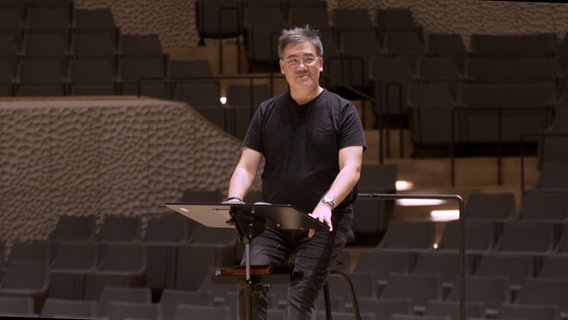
(329, 201)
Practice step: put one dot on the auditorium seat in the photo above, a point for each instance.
(316, 17)
(358, 48)
(382, 263)
(205, 98)
(452, 309)
(262, 28)
(430, 114)
(408, 235)
(163, 235)
(30, 252)
(118, 310)
(91, 77)
(184, 312)
(40, 78)
(391, 77)
(384, 308)
(110, 294)
(491, 291)
(540, 205)
(440, 70)
(497, 206)
(193, 266)
(552, 177)
(23, 279)
(544, 292)
(10, 48)
(351, 19)
(7, 77)
(551, 146)
(18, 5)
(171, 298)
(12, 23)
(445, 264)
(120, 228)
(17, 307)
(512, 71)
(218, 19)
(418, 317)
(99, 20)
(70, 263)
(68, 309)
(553, 266)
(140, 46)
(74, 228)
(515, 267)
(518, 46)
(418, 288)
(48, 20)
(528, 312)
(449, 45)
(408, 45)
(118, 265)
(98, 45)
(242, 101)
(144, 76)
(45, 46)
(480, 236)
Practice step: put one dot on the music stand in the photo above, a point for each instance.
(250, 220)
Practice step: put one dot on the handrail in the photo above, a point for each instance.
(499, 110)
(461, 233)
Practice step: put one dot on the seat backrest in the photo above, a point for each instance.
(384, 262)
(167, 229)
(526, 237)
(419, 288)
(129, 310)
(93, 20)
(17, 306)
(131, 70)
(544, 205)
(515, 267)
(26, 276)
(80, 255)
(544, 292)
(490, 206)
(121, 294)
(409, 235)
(480, 236)
(91, 71)
(378, 178)
(117, 228)
(202, 312)
(553, 267)
(83, 309)
(529, 312)
(552, 177)
(140, 46)
(74, 228)
(128, 257)
(171, 298)
(492, 291)
(514, 46)
(30, 252)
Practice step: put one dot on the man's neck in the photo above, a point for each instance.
(303, 97)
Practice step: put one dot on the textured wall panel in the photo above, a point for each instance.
(174, 20)
(124, 156)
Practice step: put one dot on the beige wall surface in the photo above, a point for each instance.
(99, 157)
(174, 20)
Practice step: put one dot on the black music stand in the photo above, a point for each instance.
(249, 220)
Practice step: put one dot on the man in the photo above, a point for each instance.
(312, 142)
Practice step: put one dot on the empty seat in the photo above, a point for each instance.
(538, 45)
(242, 101)
(452, 309)
(512, 71)
(515, 267)
(551, 145)
(17, 307)
(93, 21)
(262, 30)
(40, 78)
(26, 280)
(117, 228)
(7, 78)
(202, 312)
(382, 263)
(64, 308)
(69, 265)
(100, 45)
(204, 98)
(416, 317)
(143, 76)
(544, 292)
(553, 177)
(526, 237)
(132, 310)
(9, 48)
(315, 16)
(491, 291)
(171, 298)
(218, 19)
(418, 288)
(445, 264)
(503, 113)
(408, 235)
(391, 77)
(448, 45)
(430, 109)
(344, 19)
(163, 235)
(384, 308)
(140, 46)
(529, 312)
(553, 267)
(48, 20)
(480, 236)
(118, 265)
(544, 206)
(198, 259)
(109, 295)
(30, 252)
(45, 46)
(74, 228)
(91, 77)
(490, 206)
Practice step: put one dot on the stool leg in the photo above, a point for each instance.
(327, 301)
(349, 285)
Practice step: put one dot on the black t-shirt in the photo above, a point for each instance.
(300, 145)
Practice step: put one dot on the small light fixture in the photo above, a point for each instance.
(223, 100)
(402, 185)
(419, 202)
(444, 215)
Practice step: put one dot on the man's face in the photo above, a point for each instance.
(301, 66)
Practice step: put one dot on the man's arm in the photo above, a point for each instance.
(350, 160)
(244, 174)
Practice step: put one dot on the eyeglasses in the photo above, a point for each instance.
(307, 61)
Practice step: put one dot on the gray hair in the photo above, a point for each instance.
(299, 35)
